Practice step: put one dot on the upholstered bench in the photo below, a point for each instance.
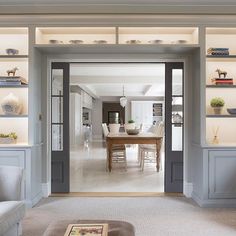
(115, 228)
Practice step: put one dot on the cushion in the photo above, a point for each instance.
(11, 212)
(10, 183)
(115, 228)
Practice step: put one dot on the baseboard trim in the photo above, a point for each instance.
(226, 203)
(46, 189)
(188, 189)
(116, 194)
(37, 198)
(197, 199)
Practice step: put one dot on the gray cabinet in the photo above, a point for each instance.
(28, 158)
(222, 174)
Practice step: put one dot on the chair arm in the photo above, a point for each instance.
(10, 183)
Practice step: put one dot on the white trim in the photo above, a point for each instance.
(37, 198)
(229, 203)
(188, 189)
(46, 189)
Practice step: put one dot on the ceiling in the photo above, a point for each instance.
(108, 79)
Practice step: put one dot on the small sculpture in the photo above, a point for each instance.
(220, 73)
(12, 71)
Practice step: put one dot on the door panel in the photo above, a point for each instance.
(60, 152)
(174, 126)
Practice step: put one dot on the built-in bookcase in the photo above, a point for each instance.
(225, 122)
(14, 38)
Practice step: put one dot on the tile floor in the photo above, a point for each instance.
(88, 172)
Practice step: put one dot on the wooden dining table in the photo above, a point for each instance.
(124, 138)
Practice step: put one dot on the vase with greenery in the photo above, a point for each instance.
(8, 138)
(217, 104)
(130, 124)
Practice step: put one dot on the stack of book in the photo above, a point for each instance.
(218, 51)
(223, 81)
(12, 81)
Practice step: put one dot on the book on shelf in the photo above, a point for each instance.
(87, 230)
(218, 51)
(12, 80)
(223, 81)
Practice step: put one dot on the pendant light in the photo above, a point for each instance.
(123, 99)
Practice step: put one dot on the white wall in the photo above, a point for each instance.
(97, 110)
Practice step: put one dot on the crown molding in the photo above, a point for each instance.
(190, 9)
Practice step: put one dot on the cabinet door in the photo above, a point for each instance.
(222, 174)
(12, 158)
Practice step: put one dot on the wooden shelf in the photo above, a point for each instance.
(13, 56)
(116, 48)
(221, 116)
(14, 86)
(221, 86)
(221, 57)
(13, 116)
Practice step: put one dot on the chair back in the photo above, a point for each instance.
(114, 128)
(105, 129)
(159, 129)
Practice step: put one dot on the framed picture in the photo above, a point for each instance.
(87, 230)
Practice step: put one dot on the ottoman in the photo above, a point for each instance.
(115, 228)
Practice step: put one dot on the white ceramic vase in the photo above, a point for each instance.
(11, 105)
(130, 126)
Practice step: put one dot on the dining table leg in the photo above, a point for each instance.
(109, 151)
(158, 148)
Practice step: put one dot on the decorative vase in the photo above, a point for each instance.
(130, 126)
(7, 140)
(215, 140)
(11, 105)
(217, 110)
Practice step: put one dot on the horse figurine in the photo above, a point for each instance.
(12, 71)
(220, 73)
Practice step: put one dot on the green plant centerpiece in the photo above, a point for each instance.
(217, 104)
(8, 138)
(130, 125)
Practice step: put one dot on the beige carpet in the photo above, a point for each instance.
(151, 216)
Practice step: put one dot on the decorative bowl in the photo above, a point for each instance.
(181, 41)
(55, 41)
(133, 41)
(76, 41)
(12, 51)
(231, 111)
(132, 131)
(100, 41)
(155, 41)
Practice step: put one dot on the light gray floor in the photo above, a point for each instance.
(151, 216)
(88, 172)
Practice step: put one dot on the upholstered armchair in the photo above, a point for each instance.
(12, 209)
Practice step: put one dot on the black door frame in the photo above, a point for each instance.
(173, 159)
(60, 159)
(119, 62)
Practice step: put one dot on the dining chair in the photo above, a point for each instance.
(114, 128)
(118, 151)
(147, 152)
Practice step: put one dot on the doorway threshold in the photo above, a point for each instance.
(116, 194)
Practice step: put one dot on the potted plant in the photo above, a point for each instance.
(8, 138)
(217, 104)
(130, 125)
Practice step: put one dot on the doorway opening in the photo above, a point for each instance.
(95, 90)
